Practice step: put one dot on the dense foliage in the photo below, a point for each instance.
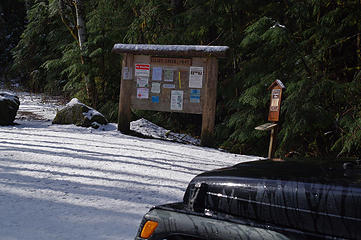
(312, 46)
(12, 15)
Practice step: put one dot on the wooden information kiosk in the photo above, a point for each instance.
(169, 78)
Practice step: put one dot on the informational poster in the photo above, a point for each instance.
(195, 96)
(157, 74)
(155, 87)
(155, 99)
(142, 93)
(142, 70)
(195, 77)
(168, 85)
(142, 82)
(176, 100)
(168, 74)
(127, 73)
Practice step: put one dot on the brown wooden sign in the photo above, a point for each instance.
(171, 61)
(275, 104)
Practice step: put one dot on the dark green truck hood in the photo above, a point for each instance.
(321, 198)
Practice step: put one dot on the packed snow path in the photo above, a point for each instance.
(68, 182)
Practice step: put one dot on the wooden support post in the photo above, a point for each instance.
(209, 102)
(272, 142)
(124, 113)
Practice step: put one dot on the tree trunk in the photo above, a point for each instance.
(82, 38)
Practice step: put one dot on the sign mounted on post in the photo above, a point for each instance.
(171, 61)
(273, 115)
(170, 78)
(275, 105)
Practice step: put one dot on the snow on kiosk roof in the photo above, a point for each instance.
(172, 50)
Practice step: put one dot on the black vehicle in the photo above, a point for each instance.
(264, 200)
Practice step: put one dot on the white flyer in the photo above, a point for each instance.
(195, 77)
(142, 69)
(176, 100)
(127, 73)
(155, 87)
(157, 74)
(142, 93)
(142, 82)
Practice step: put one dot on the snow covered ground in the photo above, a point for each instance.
(68, 182)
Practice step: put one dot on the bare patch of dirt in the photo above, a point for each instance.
(24, 115)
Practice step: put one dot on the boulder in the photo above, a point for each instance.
(9, 105)
(79, 114)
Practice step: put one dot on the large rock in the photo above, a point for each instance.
(79, 114)
(9, 105)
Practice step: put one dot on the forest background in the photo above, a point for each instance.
(312, 46)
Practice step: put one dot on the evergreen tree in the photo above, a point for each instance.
(12, 15)
(305, 48)
(312, 46)
(107, 24)
(32, 49)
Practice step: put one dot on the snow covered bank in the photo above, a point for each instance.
(150, 129)
(68, 182)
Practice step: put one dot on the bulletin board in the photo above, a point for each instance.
(169, 78)
(167, 84)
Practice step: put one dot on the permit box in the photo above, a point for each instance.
(276, 98)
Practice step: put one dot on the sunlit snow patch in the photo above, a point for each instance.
(150, 129)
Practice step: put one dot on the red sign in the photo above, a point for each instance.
(142, 70)
(142, 66)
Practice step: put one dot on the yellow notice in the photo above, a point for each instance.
(275, 102)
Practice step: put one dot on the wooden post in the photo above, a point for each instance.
(272, 141)
(124, 113)
(209, 102)
(273, 127)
